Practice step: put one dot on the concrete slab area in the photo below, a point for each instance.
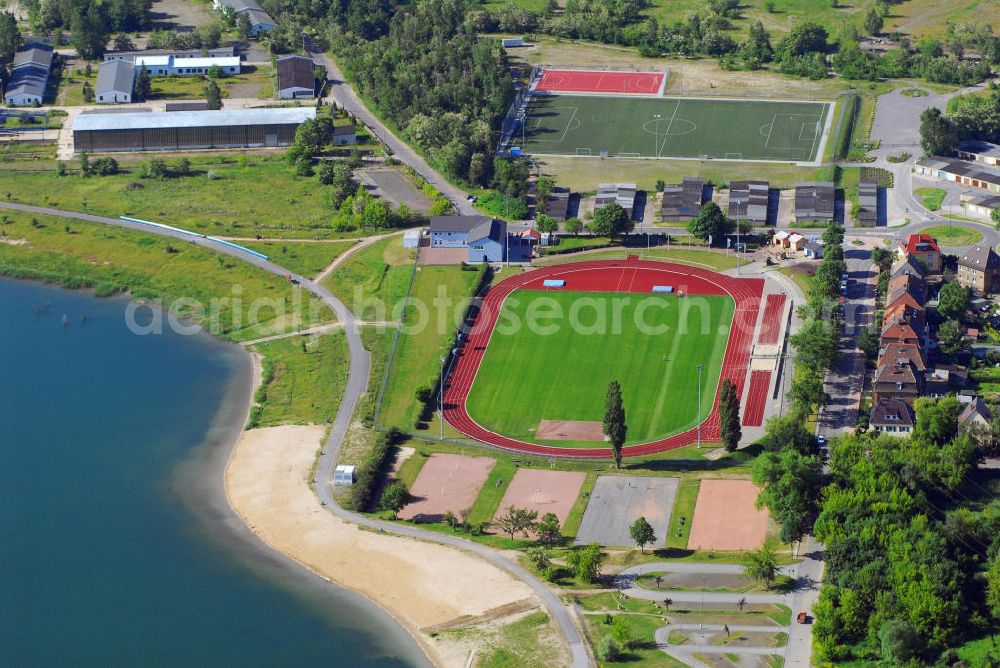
(618, 500)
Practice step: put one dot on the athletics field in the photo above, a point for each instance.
(673, 128)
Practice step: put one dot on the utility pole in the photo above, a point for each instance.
(699, 406)
(656, 134)
(441, 397)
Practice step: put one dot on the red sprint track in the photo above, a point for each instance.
(756, 401)
(770, 323)
(631, 275)
(583, 81)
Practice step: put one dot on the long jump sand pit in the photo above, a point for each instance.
(543, 491)
(725, 517)
(619, 500)
(446, 483)
(569, 430)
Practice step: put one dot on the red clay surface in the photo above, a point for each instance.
(544, 491)
(569, 430)
(582, 81)
(446, 483)
(770, 323)
(726, 517)
(756, 401)
(630, 275)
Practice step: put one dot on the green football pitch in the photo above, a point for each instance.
(530, 373)
(672, 127)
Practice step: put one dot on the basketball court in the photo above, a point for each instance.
(726, 517)
(619, 500)
(543, 491)
(596, 81)
(446, 483)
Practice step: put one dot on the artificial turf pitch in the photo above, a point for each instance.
(673, 127)
(529, 374)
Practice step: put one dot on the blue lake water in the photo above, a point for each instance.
(116, 544)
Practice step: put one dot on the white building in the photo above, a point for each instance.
(115, 81)
(169, 66)
(343, 475)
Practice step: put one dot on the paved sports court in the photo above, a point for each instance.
(618, 500)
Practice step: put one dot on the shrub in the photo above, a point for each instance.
(608, 649)
(154, 168)
(371, 469)
(104, 166)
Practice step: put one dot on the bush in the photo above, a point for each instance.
(395, 497)
(608, 649)
(371, 470)
(154, 168)
(104, 166)
(511, 208)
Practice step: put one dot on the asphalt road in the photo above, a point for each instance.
(357, 383)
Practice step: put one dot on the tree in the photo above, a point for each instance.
(244, 27)
(517, 520)
(816, 345)
(546, 224)
(868, 341)
(710, 224)
(615, 427)
(729, 416)
(642, 533)
(995, 217)
(543, 188)
(586, 563)
(757, 47)
(873, 22)
(938, 135)
(213, 96)
(898, 640)
(611, 220)
(882, 259)
(395, 497)
(937, 420)
(804, 38)
(993, 586)
(806, 393)
(539, 558)
(790, 484)
(548, 530)
(761, 565)
(182, 167)
(214, 73)
(10, 38)
(573, 226)
(608, 649)
(88, 92)
(153, 168)
(85, 168)
(953, 300)
(952, 338)
(123, 42)
(788, 433)
(143, 86)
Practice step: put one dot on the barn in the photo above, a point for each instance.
(296, 77)
(188, 130)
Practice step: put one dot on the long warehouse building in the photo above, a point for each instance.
(188, 130)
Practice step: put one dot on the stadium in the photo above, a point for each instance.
(532, 372)
(625, 115)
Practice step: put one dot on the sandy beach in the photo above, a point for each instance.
(422, 585)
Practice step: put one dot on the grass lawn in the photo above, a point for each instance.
(687, 497)
(251, 195)
(250, 82)
(488, 500)
(78, 254)
(438, 300)
(522, 643)
(641, 627)
(978, 652)
(305, 377)
(954, 235)
(931, 197)
(680, 253)
(373, 281)
(575, 516)
(301, 257)
(674, 127)
(527, 376)
(72, 85)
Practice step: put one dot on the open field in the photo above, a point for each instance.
(673, 127)
(954, 235)
(233, 203)
(725, 517)
(302, 257)
(617, 501)
(373, 281)
(526, 376)
(932, 17)
(78, 254)
(681, 252)
(447, 483)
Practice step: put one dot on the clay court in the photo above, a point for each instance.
(544, 491)
(725, 517)
(446, 483)
(587, 81)
(619, 500)
(570, 430)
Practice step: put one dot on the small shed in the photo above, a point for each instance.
(343, 475)
(512, 41)
(411, 239)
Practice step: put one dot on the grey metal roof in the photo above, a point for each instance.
(815, 200)
(239, 5)
(219, 52)
(979, 147)
(683, 200)
(115, 75)
(259, 17)
(35, 53)
(867, 202)
(457, 223)
(28, 79)
(193, 119)
(193, 105)
(749, 200)
(296, 72)
(959, 168)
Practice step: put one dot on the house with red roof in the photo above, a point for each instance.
(922, 248)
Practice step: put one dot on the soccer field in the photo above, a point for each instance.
(673, 127)
(529, 374)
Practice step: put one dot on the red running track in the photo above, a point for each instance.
(631, 275)
(753, 407)
(770, 322)
(581, 81)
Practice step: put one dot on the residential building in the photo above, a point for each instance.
(682, 201)
(812, 249)
(901, 331)
(907, 266)
(897, 379)
(901, 312)
(622, 194)
(815, 202)
(906, 284)
(913, 353)
(749, 200)
(188, 130)
(115, 81)
(979, 269)
(922, 248)
(260, 21)
(29, 75)
(975, 150)
(956, 171)
(484, 237)
(892, 416)
(867, 204)
(296, 77)
(975, 420)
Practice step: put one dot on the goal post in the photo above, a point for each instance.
(583, 151)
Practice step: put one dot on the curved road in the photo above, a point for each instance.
(357, 383)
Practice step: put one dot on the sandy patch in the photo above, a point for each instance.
(421, 584)
(725, 517)
(569, 430)
(543, 491)
(447, 483)
(13, 242)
